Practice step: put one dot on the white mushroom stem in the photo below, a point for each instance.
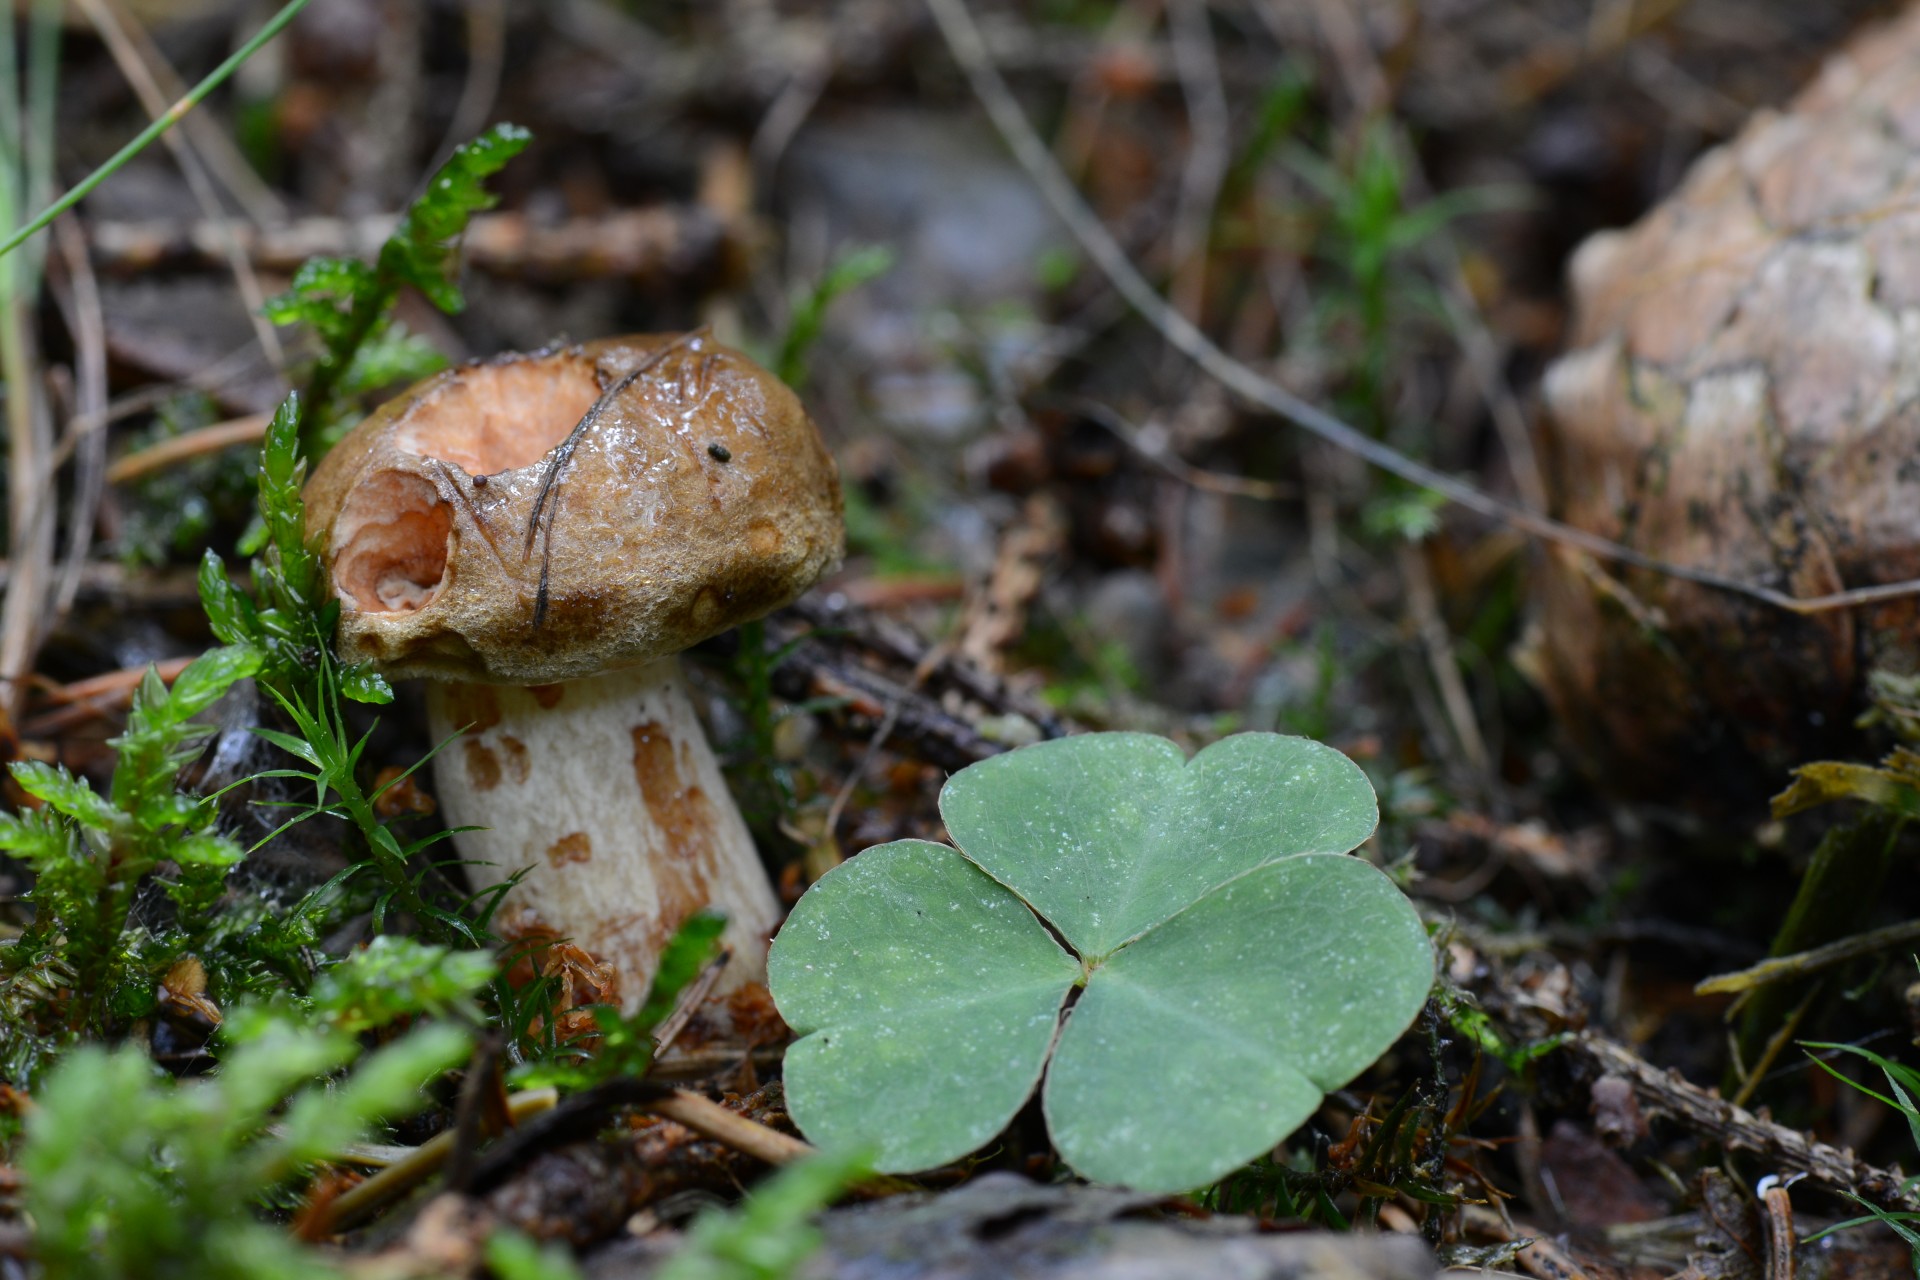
(604, 790)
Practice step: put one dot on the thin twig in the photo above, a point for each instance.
(384, 165)
(214, 143)
(481, 1111)
(691, 999)
(711, 1120)
(486, 55)
(86, 322)
(211, 379)
(1208, 138)
(106, 580)
(585, 1114)
(1364, 79)
(1424, 608)
(963, 38)
(1775, 1046)
(107, 16)
(119, 683)
(704, 1064)
(32, 503)
(110, 695)
(879, 739)
(785, 115)
(1484, 358)
(146, 136)
(1151, 443)
(1668, 1093)
(647, 246)
(188, 444)
(936, 658)
(404, 1174)
(1805, 963)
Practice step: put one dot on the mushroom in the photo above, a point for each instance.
(539, 536)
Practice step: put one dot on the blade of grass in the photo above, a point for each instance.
(165, 122)
(43, 77)
(11, 125)
(113, 32)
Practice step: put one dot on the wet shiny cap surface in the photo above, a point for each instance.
(543, 517)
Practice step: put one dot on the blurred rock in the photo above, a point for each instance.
(969, 232)
(1744, 396)
(1128, 609)
(1001, 1227)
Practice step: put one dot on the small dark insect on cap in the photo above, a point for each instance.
(414, 567)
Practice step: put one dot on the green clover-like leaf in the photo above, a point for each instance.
(927, 996)
(1236, 965)
(1108, 834)
(1214, 1036)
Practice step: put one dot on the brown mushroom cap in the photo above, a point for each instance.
(699, 497)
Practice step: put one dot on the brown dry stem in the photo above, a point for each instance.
(964, 40)
(1668, 1093)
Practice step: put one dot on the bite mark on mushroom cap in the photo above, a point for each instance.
(656, 544)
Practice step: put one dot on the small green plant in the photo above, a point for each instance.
(1472, 1022)
(322, 741)
(131, 1174)
(769, 1236)
(348, 304)
(393, 977)
(1371, 227)
(80, 967)
(514, 1255)
(1231, 964)
(621, 1045)
(1405, 515)
(175, 512)
(283, 620)
(851, 270)
(1904, 1083)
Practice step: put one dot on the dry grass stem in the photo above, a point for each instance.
(188, 445)
(108, 20)
(963, 38)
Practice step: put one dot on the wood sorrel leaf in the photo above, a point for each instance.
(1236, 965)
(1216, 1034)
(1107, 834)
(926, 996)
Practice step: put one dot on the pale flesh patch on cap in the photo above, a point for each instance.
(541, 518)
(500, 416)
(392, 538)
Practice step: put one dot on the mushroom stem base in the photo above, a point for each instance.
(604, 794)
